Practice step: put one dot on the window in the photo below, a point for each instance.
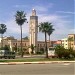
(38, 45)
(25, 44)
(66, 40)
(13, 43)
(16, 43)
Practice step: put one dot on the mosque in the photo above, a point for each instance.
(33, 33)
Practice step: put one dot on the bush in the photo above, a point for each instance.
(61, 52)
(39, 52)
(72, 52)
(6, 47)
(42, 50)
(26, 52)
(66, 54)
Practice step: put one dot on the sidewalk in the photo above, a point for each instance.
(40, 62)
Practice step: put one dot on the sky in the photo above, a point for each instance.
(58, 12)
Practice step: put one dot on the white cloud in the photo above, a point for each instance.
(61, 25)
(19, 6)
(13, 29)
(66, 12)
(41, 8)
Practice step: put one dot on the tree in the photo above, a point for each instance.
(44, 27)
(42, 50)
(59, 51)
(25, 38)
(10, 38)
(70, 39)
(73, 53)
(2, 31)
(50, 31)
(6, 47)
(32, 48)
(15, 48)
(20, 19)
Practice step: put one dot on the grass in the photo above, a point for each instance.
(34, 60)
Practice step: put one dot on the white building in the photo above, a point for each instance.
(65, 43)
(69, 43)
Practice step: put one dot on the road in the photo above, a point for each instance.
(38, 69)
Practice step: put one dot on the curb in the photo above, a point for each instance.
(40, 62)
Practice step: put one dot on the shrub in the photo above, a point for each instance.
(6, 47)
(72, 52)
(42, 50)
(59, 51)
(66, 54)
(39, 52)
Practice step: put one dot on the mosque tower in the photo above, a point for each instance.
(33, 29)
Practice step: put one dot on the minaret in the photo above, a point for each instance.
(33, 29)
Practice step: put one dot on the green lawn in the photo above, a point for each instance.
(34, 59)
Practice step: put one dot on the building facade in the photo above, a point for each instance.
(69, 42)
(65, 43)
(25, 44)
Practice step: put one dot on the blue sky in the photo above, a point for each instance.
(59, 12)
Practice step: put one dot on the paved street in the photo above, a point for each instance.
(38, 69)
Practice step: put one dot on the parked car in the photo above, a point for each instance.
(7, 54)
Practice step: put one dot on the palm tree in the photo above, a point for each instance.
(20, 19)
(32, 48)
(50, 31)
(2, 31)
(44, 27)
(70, 39)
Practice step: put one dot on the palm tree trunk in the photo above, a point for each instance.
(2, 41)
(46, 45)
(21, 42)
(49, 41)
